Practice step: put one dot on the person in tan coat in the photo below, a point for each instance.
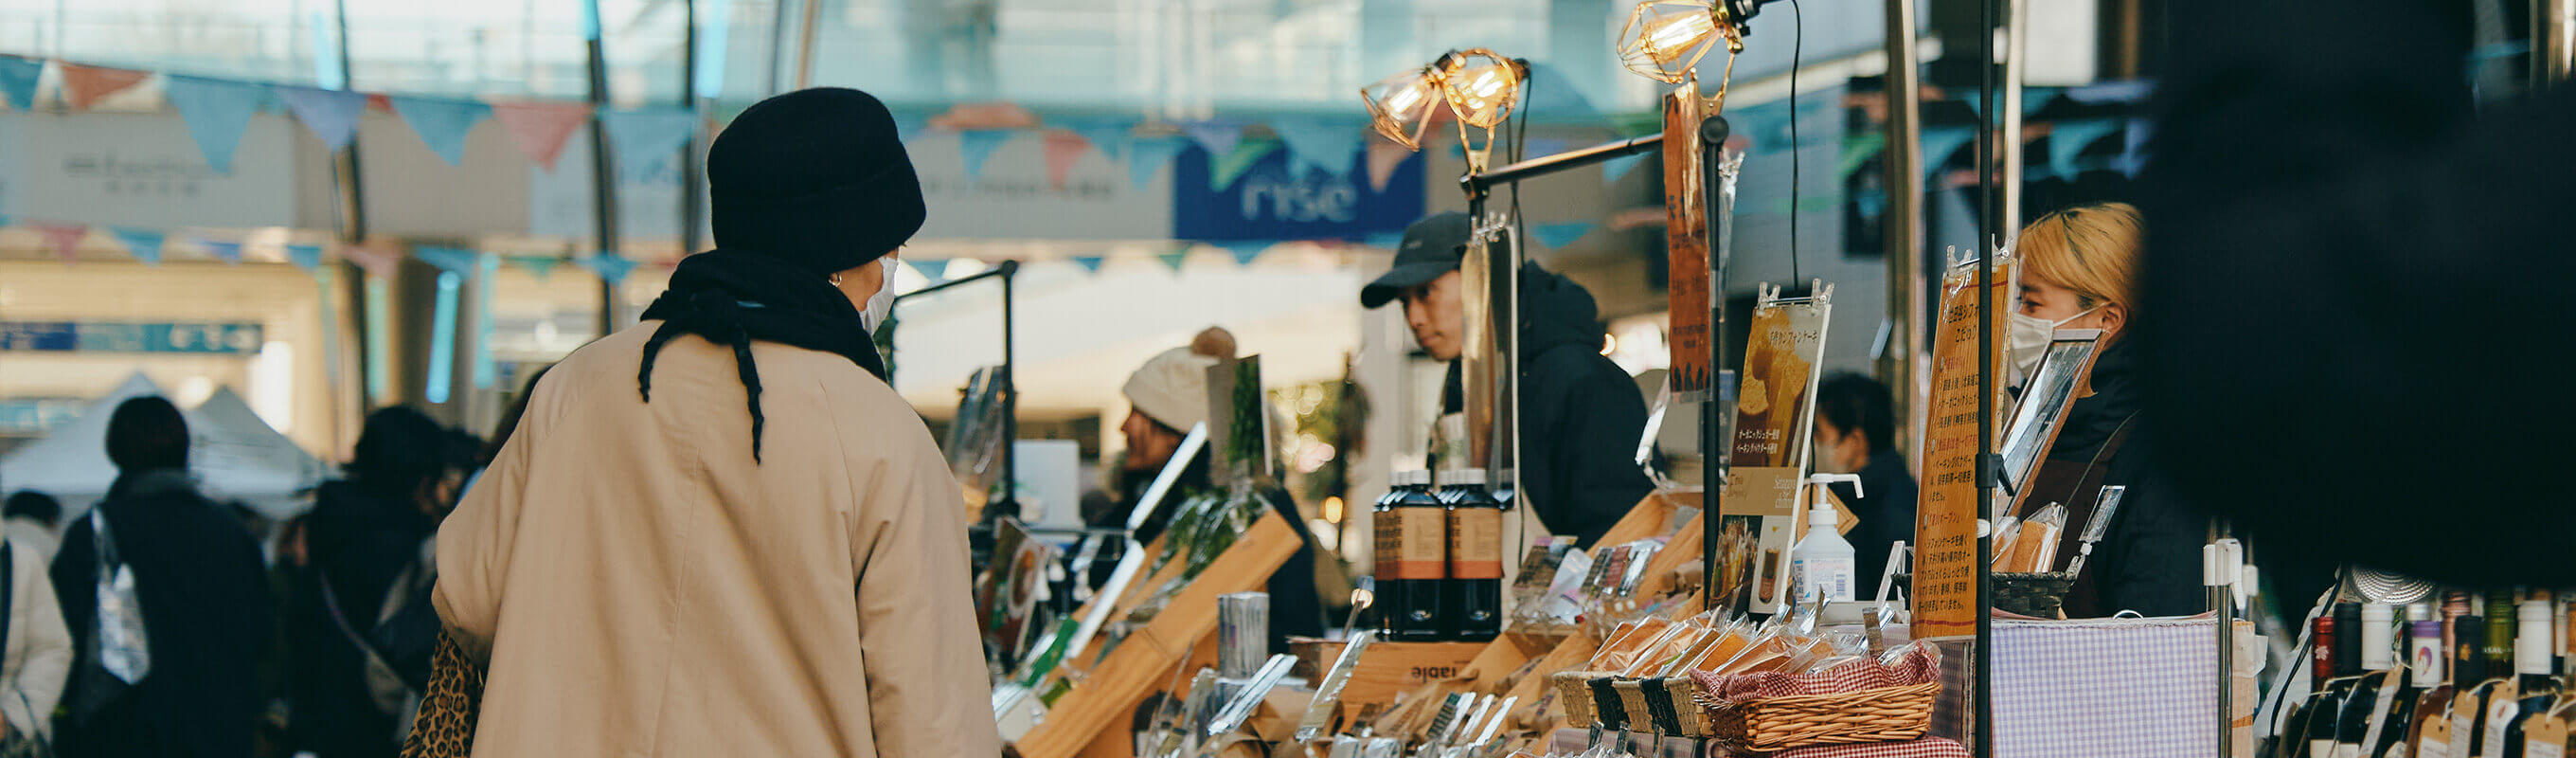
(719, 532)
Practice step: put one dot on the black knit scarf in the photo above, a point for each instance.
(736, 298)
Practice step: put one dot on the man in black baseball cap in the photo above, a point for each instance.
(1581, 415)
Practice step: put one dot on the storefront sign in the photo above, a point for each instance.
(1945, 524)
(116, 337)
(1270, 201)
(1768, 456)
(142, 170)
(1686, 245)
(30, 416)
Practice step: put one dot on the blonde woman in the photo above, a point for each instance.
(2078, 272)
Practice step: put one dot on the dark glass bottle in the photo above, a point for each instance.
(1415, 563)
(1474, 594)
(1384, 546)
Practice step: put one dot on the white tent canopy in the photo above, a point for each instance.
(235, 455)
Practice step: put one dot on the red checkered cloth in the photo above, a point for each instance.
(1928, 747)
(1921, 663)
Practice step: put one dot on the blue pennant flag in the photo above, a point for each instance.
(228, 252)
(610, 268)
(1940, 142)
(1318, 143)
(18, 81)
(145, 244)
(1557, 236)
(1146, 157)
(908, 125)
(1384, 240)
(932, 271)
(1553, 97)
(331, 115)
(1246, 251)
(539, 266)
(1108, 135)
(1614, 168)
(441, 123)
(448, 259)
(1175, 260)
(645, 136)
(978, 145)
(217, 112)
(305, 257)
(1218, 137)
(1089, 263)
(2068, 138)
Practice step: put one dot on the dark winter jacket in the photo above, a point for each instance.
(360, 540)
(2358, 288)
(1885, 507)
(206, 617)
(1581, 416)
(2149, 561)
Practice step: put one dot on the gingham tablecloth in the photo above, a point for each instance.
(1928, 747)
(2105, 688)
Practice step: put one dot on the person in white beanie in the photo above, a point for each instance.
(1167, 396)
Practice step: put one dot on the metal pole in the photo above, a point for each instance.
(805, 44)
(777, 46)
(2010, 140)
(1902, 229)
(603, 177)
(1010, 392)
(692, 211)
(2553, 41)
(1989, 224)
(1716, 419)
(350, 399)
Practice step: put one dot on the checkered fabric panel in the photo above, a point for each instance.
(1928, 747)
(2104, 688)
(1920, 663)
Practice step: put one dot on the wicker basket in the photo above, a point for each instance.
(1574, 690)
(1680, 697)
(1888, 714)
(2037, 595)
(1632, 705)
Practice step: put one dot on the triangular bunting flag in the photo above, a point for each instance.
(539, 266)
(143, 244)
(1109, 136)
(1940, 142)
(610, 268)
(307, 258)
(1146, 157)
(977, 146)
(1218, 137)
(2068, 138)
(1858, 148)
(331, 115)
(442, 124)
(65, 239)
(84, 86)
(1063, 149)
(931, 271)
(1090, 263)
(909, 125)
(1614, 168)
(217, 112)
(228, 252)
(448, 259)
(1384, 240)
(380, 259)
(1174, 260)
(1557, 236)
(1247, 251)
(1224, 170)
(541, 129)
(18, 78)
(646, 135)
(1315, 142)
(1383, 158)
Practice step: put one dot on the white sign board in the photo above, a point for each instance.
(141, 169)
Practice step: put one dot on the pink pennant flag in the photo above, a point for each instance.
(1062, 150)
(376, 258)
(65, 239)
(84, 86)
(1383, 157)
(541, 129)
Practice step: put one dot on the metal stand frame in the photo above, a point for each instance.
(1007, 271)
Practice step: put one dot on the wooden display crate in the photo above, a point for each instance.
(1390, 668)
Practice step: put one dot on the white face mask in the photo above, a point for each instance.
(2030, 337)
(880, 304)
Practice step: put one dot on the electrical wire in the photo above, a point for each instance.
(1797, 57)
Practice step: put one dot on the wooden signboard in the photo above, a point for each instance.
(1686, 244)
(1768, 459)
(1945, 523)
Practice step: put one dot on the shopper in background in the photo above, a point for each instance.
(1581, 417)
(38, 648)
(2077, 273)
(2360, 274)
(1856, 434)
(363, 548)
(34, 520)
(204, 601)
(1167, 396)
(661, 562)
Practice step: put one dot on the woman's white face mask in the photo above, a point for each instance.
(880, 304)
(2030, 338)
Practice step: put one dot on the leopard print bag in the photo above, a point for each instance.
(444, 726)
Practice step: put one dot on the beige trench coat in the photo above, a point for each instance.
(644, 589)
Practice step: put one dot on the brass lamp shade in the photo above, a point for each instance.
(1400, 107)
(1665, 39)
(1481, 87)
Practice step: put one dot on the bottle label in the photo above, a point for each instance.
(1420, 544)
(1475, 543)
(2499, 719)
